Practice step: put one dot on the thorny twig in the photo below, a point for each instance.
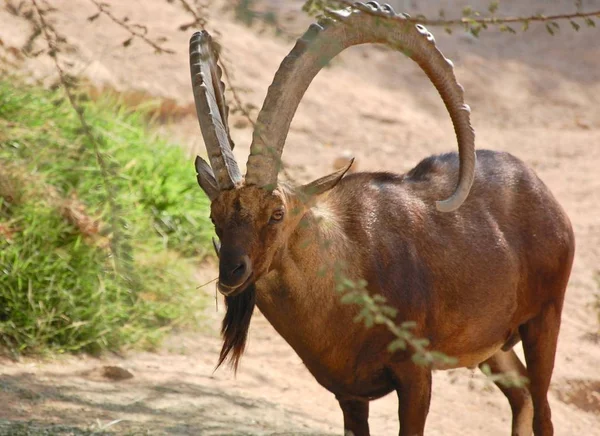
(479, 20)
(104, 171)
(244, 13)
(135, 30)
(507, 20)
(469, 20)
(198, 20)
(236, 97)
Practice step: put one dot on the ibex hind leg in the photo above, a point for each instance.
(540, 336)
(356, 417)
(519, 398)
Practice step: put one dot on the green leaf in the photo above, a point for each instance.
(408, 324)
(575, 25)
(475, 29)
(420, 359)
(389, 311)
(348, 299)
(380, 319)
(590, 22)
(507, 28)
(347, 283)
(378, 298)
(550, 29)
(493, 7)
(438, 356)
(313, 7)
(421, 342)
(397, 344)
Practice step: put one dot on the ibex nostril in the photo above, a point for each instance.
(239, 270)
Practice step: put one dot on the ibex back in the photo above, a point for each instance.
(476, 272)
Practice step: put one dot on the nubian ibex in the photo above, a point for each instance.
(477, 272)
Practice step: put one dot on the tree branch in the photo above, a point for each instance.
(474, 20)
(135, 33)
(198, 20)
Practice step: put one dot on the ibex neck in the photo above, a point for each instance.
(301, 291)
(315, 252)
(305, 273)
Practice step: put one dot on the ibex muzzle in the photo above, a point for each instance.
(235, 270)
(475, 272)
(235, 265)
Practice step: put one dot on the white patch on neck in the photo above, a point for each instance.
(329, 224)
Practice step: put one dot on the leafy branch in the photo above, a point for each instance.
(509, 379)
(239, 105)
(374, 311)
(471, 19)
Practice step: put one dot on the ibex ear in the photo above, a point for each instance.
(217, 246)
(323, 184)
(206, 178)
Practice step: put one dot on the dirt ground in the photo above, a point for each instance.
(533, 95)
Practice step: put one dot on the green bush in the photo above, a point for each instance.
(93, 256)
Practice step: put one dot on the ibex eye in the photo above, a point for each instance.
(277, 216)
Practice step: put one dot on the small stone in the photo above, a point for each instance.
(582, 124)
(116, 373)
(241, 123)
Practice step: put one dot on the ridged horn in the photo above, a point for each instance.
(212, 109)
(361, 24)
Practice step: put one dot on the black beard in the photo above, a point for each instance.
(234, 329)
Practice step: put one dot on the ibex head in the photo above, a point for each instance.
(253, 216)
(254, 223)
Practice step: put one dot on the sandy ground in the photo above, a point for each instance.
(532, 95)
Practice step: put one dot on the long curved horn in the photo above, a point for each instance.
(212, 110)
(360, 24)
